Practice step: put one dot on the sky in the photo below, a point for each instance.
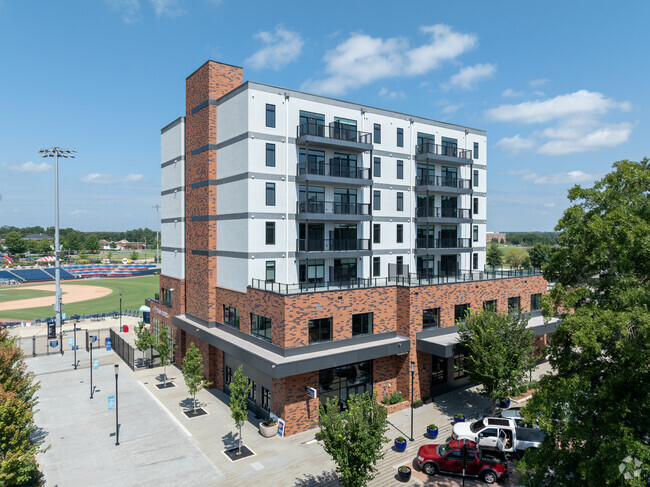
(560, 87)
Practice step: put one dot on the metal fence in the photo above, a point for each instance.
(42, 345)
(126, 352)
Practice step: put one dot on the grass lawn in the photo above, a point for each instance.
(12, 294)
(134, 291)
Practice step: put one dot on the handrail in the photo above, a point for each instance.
(337, 167)
(442, 243)
(443, 181)
(443, 150)
(333, 207)
(332, 244)
(440, 212)
(335, 130)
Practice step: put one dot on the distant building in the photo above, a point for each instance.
(37, 236)
(495, 237)
(121, 245)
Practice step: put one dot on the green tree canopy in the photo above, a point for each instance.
(239, 388)
(193, 371)
(92, 243)
(15, 244)
(44, 246)
(166, 347)
(540, 255)
(493, 256)
(517, 257)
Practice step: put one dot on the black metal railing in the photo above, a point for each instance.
(440, 212)
(123, 349)
(336, 167)
(443, 150)
(442, 243)
(332, 244)
(333, 207)
(446, 182)
(335, 130)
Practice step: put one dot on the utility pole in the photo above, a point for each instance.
(157, 208)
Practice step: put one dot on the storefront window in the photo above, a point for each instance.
(341, 382)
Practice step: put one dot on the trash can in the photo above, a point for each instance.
(125, 328)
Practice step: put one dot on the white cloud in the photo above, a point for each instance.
(570, 177)
(280, 48)
(602, 137)
(386, 93)
(79, 212)
(549, 205)
(361, 59)
(510, 93)
(99, 178)
(166, 8)
(515, 145)
(467, 77)
(29, 167)
(129, 9)
(537, 82)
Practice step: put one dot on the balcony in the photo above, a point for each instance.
(333, 211)
(334, 136)
(455, 215)
(444, 154)
(333, 247)
(337, 171)
(443, 184)
(431, 245)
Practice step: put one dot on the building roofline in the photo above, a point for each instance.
(216, 62)
(171, 125)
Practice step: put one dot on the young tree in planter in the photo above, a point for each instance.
(354, 438)
(501, 351)
(143, 339)
(193, 372)
(166, 347)
(239, 388)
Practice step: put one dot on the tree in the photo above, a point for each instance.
(44, 246)
(92, 243)
(501, 352)
(144, 339)
(493, 256)
(540, 254)
(109, 256)
(15, 244)
(239, 388)
(516, 257)
(354, 438)
(193, 372)
(166, 347)
(595, 407)
(134, 255)
(112, 245)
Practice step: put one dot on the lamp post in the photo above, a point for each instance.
(117, 424)
(91, 368)
(412, 382)
(75, 346)
(120, 311)
(57, 152)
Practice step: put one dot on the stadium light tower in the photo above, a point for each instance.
(57, 152)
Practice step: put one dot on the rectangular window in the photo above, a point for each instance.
(376, 200)
(362, 324)
(231, 316)
(476, 206)
(399, 261)
(475, 261)
(167, 296)
(475, 150)
(490, 305)
(270, 271)
(270, 155)
(376, 233)
(376, 267)
(261, 326)
(270, 115)
(312, 271)
(400, 201)
(270, 233)
(475, 233)
(266, 398)
(535, 302)
(514, 304)
(320, 330)
(400, 233)
(431, 318)
(376, 167)
(270, 194)
(475, 178)
(400, 169)
(460, 312)
(400, 137)
(459, 366)
(252, 389)
(376, 134)
(228, 374)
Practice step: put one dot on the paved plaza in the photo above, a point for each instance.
(159, 445)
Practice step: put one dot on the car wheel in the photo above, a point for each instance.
(430, 468)
(489, 477)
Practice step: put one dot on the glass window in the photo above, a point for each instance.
(167, 296)
(490, 305)
(376, 200)
(231, 316)
(228, 374)
(400, 169)
(376, 167)
(514, 304)
(270, 115)
(266, 399)
(476, 206)
(362, 324)
(270, 194)
(475, 233)
(270, 271)
(261, 326)
(270, 233)
(431, 318)
(341, 382)
(312, 123)
(377, 134)
(400, 201)
(438, 370)
(376, 266)
(312, 271)
(460, 312)
(535, 302)
(270, 155)
(399, 261)
(459, 366)
(400, 233)
(475, 150)
(475, 261)
(400, 137)
(426, 143)
(320, 330)
(376, 233)
(475, 177)
(251, 389)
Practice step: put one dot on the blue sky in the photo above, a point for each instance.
(560, 87)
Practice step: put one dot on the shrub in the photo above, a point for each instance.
(393, 398)
(269, 422)
(417, 402)
(400, 439)
(460, 416)
(432, 427)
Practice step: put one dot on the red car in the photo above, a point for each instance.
(488, 465)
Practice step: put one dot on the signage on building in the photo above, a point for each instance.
(311, 392)
(160, 312)
(281, 427)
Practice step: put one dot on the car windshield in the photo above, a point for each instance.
(477, 426)
(443, 449)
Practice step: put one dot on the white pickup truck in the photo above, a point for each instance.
(499, 433)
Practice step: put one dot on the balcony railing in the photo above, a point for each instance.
(337, 167)
(443, 150)
(412, 280)
(332, 244)
(439, 212)
(333, 207)
(443, 181)
(442, 243)
(335, 130)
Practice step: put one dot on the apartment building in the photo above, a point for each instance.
(323, 244)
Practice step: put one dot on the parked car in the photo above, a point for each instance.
(451, 457)
(499, 433)
(515, 414)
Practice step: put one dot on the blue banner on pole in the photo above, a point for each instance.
(75, 347)
(108, 344)
(54, 343)
(71, 341)
(111, 402)
(95, 363)
(94, 338)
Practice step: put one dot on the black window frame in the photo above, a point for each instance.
(362, 324)
(376, 233)
(270, 155)
(270, 266)
(252, 389)
(490, 304)
(475, 150)
(475, 261)
(475, 206)
(431, 318)
(376, 200)
(475, 178)
(474, 233)
(320, 324)
(399, 237)
(514, 300)
(227, 375)
(376, 167)
(270, 115)
(259, 322)
(266, 399)
(376, 133)
(376, 267)
(536, 301)
(462, 310)
(459, 366)
(270, 194)
(269, 237)
(400, 169)
(227, 311)
(400, 201)
(400, 137)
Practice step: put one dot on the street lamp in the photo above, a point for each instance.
(412, 381)
(117, 425)
(92, 390)
(120, 311)
(57, 152)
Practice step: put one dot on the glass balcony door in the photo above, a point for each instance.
(345, 201)
(312, 124)
(449, 177)
(448, 236)
(448, 265)
(449, 206)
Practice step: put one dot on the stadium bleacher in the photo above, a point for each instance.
(64, 274)
(9, 276)
(32, 274)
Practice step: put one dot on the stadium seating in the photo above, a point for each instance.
(64, 274)
(10, 276)
(32, 274)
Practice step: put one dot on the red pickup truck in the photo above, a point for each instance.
(488, 465)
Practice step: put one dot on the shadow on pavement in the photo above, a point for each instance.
(326, 479)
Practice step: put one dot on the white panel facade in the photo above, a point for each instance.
(172, 227)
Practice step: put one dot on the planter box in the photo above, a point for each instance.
(268, 431)
(404, 476)
(459, 420)
(433, 434)
(391, 408)
(504, 404)
(400, 446)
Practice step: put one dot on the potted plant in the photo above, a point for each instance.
(268, 428)
(504, 404)
(432, 431)
(418, 403)
(400, 443)
(404, 473)
(459, 418)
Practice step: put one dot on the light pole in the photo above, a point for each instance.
(57, 152)
(117, 424)
(120, 311)
(157, 208)
(412, 381)
(91, 367)
(75, 346)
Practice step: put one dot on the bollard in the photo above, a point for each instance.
(33, 345)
